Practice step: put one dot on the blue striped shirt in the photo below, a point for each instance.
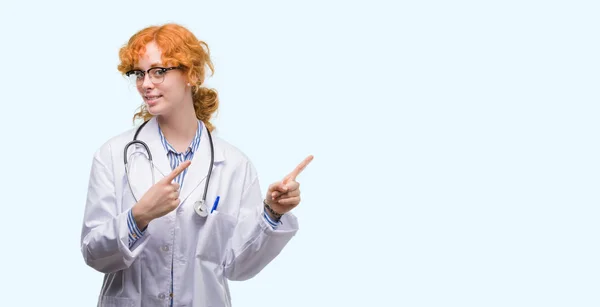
(175, 158)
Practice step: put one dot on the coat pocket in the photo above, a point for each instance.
(215, 236)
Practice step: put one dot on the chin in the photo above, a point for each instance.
(154, 110)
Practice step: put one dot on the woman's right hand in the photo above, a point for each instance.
(160, 199)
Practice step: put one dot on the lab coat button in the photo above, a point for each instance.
(161, 296)
(165, 248)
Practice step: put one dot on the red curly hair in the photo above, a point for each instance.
(179, 47)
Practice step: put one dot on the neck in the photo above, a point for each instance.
(180, 127)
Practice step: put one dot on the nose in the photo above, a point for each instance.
(146, 82)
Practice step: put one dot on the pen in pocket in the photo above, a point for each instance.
(214, 207)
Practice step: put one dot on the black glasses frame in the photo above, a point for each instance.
(147, 72)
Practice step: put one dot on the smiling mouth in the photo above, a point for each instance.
(152, 98)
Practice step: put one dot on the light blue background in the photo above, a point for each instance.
(455, 143)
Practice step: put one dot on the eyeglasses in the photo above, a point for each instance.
(157, 75)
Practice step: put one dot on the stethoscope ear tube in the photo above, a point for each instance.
(210, 167)
(200, 205)
(136, 141)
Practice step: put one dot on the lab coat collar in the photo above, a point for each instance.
(193, 146)
(198, 170)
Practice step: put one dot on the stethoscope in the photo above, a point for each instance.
(200, 205)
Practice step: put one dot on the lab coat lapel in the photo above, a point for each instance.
(151, 137)
(198, 169)
(140, 177)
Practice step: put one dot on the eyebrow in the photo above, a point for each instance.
(151, 66)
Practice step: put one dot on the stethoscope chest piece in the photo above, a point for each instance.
(200, 208)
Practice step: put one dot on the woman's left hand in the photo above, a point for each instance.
(283, 196)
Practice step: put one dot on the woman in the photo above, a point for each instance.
(143, 225)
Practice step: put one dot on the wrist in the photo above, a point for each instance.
(274, 215)
(139, 217)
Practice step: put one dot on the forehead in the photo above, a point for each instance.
(150, 56)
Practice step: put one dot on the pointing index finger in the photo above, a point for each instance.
(182, 166)
(298, 169)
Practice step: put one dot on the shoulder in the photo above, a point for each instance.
(230, 152)
(233, 156)
(113, 147)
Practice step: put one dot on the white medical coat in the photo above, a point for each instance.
(232, 243)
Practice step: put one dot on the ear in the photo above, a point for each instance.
(194, 79)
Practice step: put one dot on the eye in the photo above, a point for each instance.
(159, 72)
(135, 74)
